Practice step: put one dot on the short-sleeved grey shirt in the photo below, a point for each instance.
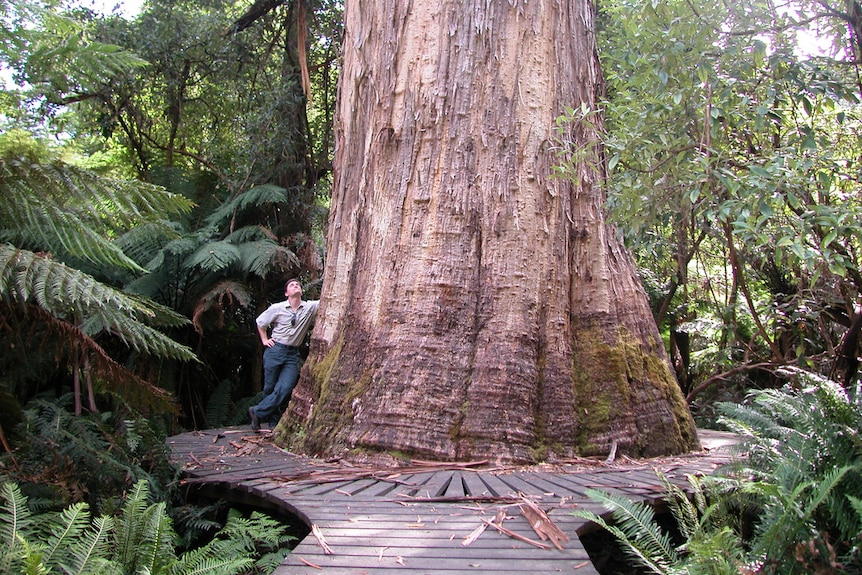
(279, 316)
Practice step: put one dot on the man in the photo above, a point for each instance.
(290, 321)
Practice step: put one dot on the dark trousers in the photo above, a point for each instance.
(281, 365)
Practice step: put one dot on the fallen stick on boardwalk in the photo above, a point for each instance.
(514, 535)
(321, 540)
(474, 535)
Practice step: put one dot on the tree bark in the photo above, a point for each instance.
(473, 305)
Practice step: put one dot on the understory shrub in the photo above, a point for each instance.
(790, 505)
(139, 539)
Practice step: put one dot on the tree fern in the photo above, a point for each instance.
(262, 256)
(254, 197)
(54, 207)
(53, 211)
(70, 295)
(213, 256)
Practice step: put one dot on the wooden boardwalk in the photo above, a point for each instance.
(426, 518)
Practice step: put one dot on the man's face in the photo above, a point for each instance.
(293, 288)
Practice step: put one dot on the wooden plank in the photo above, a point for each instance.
(475, 486)
(387, 487)
(496, 486)
(566, 485)
(430, 484)
(455, 487)
(518, 485)
(600, 481)
(295, 566)
(544, 487)
(421, 564)
(358, 486)
(312, 489)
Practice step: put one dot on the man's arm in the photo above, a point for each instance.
(264, 337)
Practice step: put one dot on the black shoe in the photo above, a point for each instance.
(255, 422)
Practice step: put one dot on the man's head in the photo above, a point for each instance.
(292, 285)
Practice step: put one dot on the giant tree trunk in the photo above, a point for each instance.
(473, 305)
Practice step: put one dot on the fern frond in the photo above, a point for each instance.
(630, 547)
(57, 208)
(74, 296)
(262, 257)
(145, 240)
(88, 554)
(720, 552)
(685, 513)
(256, 197)
(175, 249)
(144, 534)
(15, 521)
(32, 563)
(256, 530)
(635, 526)
(64, 530)
(213, 256)
(219, 299)
(249, 234)
(157, 548)
(208, 561)
(824, 488)
(127, 535)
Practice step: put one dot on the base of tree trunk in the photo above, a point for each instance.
(611, 397)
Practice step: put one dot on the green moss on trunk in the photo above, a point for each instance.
(624, 392)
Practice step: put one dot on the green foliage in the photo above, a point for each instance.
(140, 540)
(635, 526)
(731, 176)
(805, 460)
(790, 506)
(66, 458)
(57, 219)
(213, 111)
(54, 61)
(53, 206)
(71, 296)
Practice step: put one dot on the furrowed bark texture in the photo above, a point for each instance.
(474, 306)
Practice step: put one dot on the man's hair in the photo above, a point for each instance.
(290, 281)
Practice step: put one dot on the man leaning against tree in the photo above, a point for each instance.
(290, 321)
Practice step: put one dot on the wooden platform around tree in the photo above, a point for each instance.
(447, 519)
